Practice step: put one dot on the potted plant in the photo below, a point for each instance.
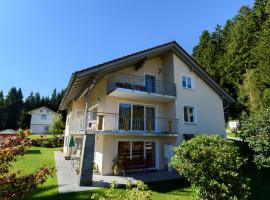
(117, 166)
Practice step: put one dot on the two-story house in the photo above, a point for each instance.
(138, 107)
(41, 120)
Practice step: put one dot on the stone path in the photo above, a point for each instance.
(68, 180)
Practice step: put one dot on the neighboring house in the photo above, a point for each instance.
(138, 107)
(41, 120)
(8, 132)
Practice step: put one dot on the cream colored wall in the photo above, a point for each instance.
(110, 143)
(151, 66)
(99, 151)
(208, 104)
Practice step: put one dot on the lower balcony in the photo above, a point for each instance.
(111, 123)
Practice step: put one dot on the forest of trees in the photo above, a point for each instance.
(237, 56)
(14, 108)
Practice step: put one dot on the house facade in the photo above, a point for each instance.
(138, 107)
(41, 120)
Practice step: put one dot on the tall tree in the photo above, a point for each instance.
(237, 57)
(2, 111)
(14, 105)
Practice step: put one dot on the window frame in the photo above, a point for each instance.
(42, 117)
(144, 105)
(186, 77)
(194, 115)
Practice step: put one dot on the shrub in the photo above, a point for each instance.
(256, 130)
(212, 165)
(48, 142)
(27, 132)
(139, 191)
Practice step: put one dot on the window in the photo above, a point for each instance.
(189, 114)
(94, 113)
(187, 82)
(47, 110)
(139, 152)
(41, 110)
(137, 117)
(46, 129)
(43, 116)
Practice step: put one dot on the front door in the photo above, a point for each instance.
(150, 83)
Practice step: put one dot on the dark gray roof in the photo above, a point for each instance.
(82, 79)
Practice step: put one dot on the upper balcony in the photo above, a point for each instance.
(136, 87)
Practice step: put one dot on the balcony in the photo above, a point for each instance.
(136, 87)
(111, 123)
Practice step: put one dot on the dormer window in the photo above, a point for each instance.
(187, 82)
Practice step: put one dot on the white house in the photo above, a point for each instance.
(41, 119)
(138, 107)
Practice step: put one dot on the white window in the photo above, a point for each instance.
(189, 114)
(43, 116)
(187, 82)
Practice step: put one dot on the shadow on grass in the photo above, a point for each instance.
(169, 185)
(33, 152)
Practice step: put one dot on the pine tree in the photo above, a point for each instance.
(14, 105)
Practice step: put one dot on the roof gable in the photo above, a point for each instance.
(80, 80)
(42, 107)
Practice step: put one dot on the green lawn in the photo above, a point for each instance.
(37, 157)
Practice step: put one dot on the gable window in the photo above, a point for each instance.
(189, 114)
(187, 82)
(43, 116)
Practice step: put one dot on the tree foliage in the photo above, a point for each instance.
(212, 165)
(57, 126)
(256, 130)
(237, 53)
(12, 185)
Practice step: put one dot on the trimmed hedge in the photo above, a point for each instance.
(48, 142)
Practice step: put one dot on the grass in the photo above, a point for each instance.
(35, 158)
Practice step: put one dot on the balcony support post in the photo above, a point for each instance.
(87, 107)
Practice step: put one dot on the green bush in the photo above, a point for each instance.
(256, 130)
(139, 191)
(48, 142)
(212, 165)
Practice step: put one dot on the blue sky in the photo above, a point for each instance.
(43, 42)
